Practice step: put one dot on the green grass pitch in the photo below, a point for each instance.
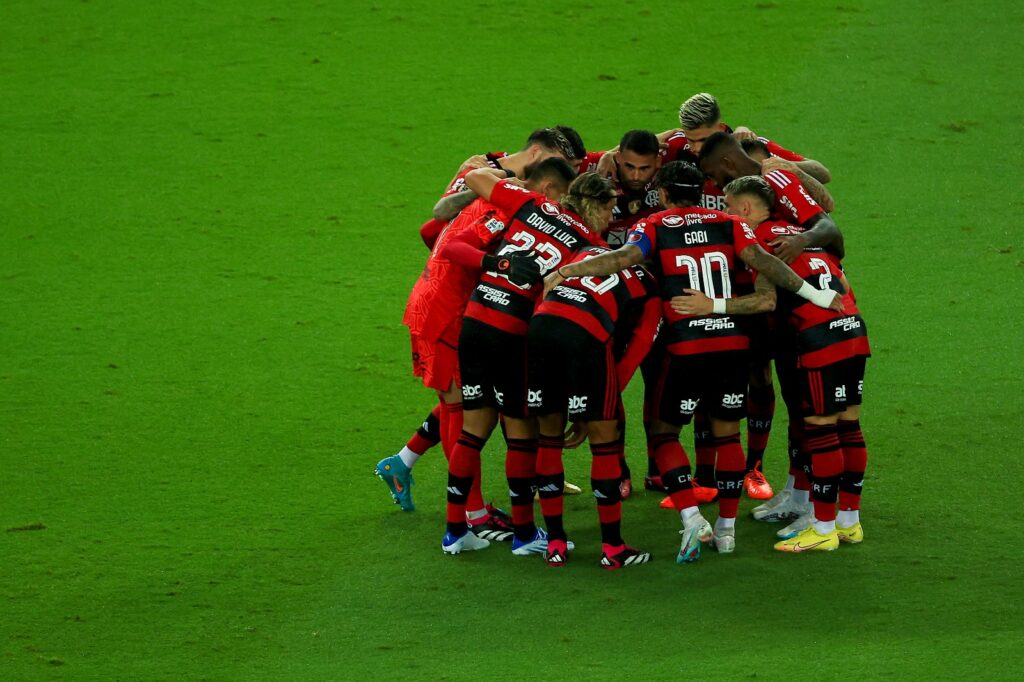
(208, 219)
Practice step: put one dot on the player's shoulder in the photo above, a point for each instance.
(771, 229)
(781, 179)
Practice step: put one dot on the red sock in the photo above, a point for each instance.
(760, 411)
(605, 473)
(674, 466)
(729, 471)
(855, 461)
(822, 442)
(464, 461)
(520, 470)
(550, 483)
(429, 434)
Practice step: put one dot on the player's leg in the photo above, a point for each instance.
(821, 439)
(704, 488)
(396, 470)
(855, 460)
(726, 380)
(605, 474)
(652, 367)
(760, 412)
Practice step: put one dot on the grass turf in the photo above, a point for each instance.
(207, 236)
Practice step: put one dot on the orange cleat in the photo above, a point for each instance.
(703, 494)
(666, 503)
(756, 485)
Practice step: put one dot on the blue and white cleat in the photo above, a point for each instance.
(695, 531)
(398, 478)
(467, 542)
(538, 545)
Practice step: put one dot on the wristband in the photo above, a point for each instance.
(559, 272)
(819, 297)
(718, 306)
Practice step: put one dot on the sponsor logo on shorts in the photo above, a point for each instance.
(845, 323)
(499, 397)
(534, 398)
(577, 403)
(732, 400)
(860, 387)
(687, 406)
(469, 392)
(494, 295)
(712, 324)
(841, 392)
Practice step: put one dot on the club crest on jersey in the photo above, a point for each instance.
(549, 208)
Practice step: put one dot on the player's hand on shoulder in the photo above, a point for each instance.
(837, 303)
(744, 133)
(693, 303)
(789, 247)
(552, 280)
(606, 166)
(773, 163)
(475, 161)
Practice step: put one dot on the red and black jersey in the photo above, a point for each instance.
(695, 248)
(534, 224)
(630, 208)
(597, 303)
(823, 336)
(792, 202)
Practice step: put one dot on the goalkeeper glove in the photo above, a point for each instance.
(522, 269)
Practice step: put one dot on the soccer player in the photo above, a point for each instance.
(573, 370)
(492, 345)
(832, 349)
(542, 144)
(693, 248)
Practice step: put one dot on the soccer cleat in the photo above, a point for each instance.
(779, 508)
(703, 493)
(398, 478)
(654, 483)
(756, 485)
(853, 535)
(622, 556)
(498, 512)
(695, 531)
(809, 540)
(667, 503)
(556, 553)
(799, 525)
(467, 543)
(538, 544)
(571, 489)
(625, 488)
(492, 528)
(724, 540)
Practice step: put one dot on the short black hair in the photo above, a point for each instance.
(579, 150)
(682, 181)
(554, 168)
(715, 144)
(755, 144)
(552, 139)
(642, 142)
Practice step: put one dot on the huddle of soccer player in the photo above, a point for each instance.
(700, 256)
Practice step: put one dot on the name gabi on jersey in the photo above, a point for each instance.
(712, 324)
(537, 222)
(845, 323)
(493, 295)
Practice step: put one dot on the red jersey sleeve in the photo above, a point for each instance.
(792, 202)
(674, 146)
(430, 231)
(742, 235)
(510, 198)
(780, 151)
(590, 161)
(644, 333)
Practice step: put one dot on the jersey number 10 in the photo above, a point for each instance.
(702, 273)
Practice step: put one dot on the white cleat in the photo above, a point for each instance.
(695, 531)
(724, 540)
(467, 543)
(779, 508)
(802, 523)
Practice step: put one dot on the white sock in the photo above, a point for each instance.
(846, 519)
(408, 457)
(687, 513)
(790, 482)
(801, 496)
(477, 514)
(824, 527)
(725, 523)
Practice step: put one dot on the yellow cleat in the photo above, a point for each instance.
(809, 540)
(852, 535)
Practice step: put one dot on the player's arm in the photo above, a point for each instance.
(821, 233)
(430, 231)
(814, 188)
(640, 341)
(697, 303)
(605, 264)
(482, 181)
(449, 206)
(816, 169)
(466, 250)
(783, 276)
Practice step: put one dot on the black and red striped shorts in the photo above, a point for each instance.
(833, 388)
